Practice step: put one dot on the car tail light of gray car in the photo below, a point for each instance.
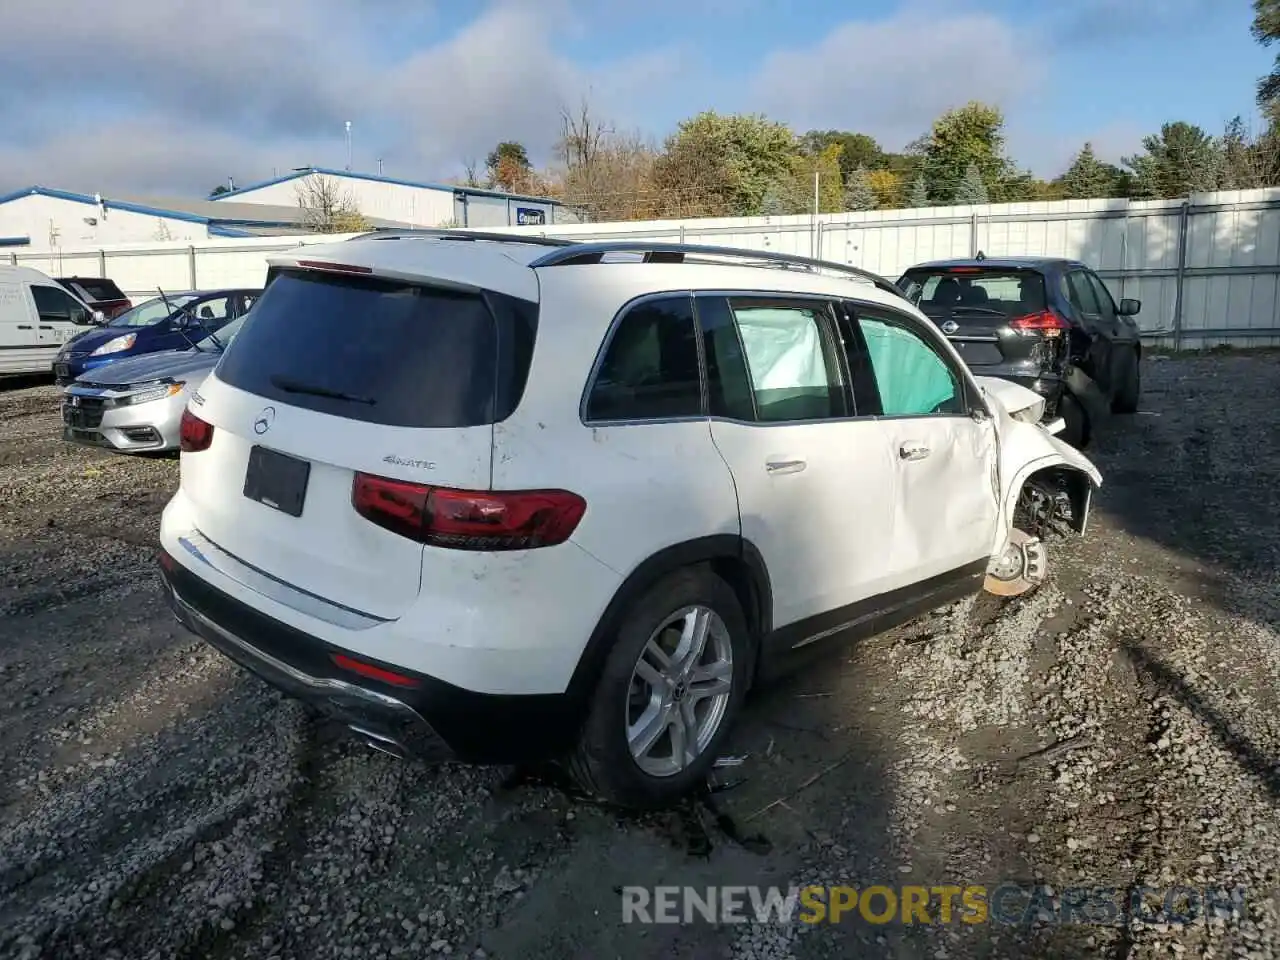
(1044, 323)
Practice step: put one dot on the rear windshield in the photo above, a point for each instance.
(98, 289)
(1014, 293)
(380, 351)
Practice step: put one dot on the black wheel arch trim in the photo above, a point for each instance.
(678, 556)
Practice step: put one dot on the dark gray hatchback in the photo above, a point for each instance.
(1048, 324)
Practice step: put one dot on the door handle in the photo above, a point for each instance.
(913, 451)
(45, 326)
(24, 326)
(781, 466)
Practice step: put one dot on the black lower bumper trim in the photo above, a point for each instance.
(432, 720)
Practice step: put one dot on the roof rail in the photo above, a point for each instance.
(593, 252)
(444, 233)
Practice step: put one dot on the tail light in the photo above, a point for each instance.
(467, 519)
(1046, 322)
(194, 434)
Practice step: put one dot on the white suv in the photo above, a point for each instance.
(502, 499)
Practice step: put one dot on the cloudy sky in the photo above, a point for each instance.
(165, 96)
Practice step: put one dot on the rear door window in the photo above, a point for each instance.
(649, 370)
(380, 351)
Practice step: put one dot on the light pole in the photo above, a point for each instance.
(348, 125)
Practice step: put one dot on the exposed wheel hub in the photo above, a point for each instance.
(1020, 568)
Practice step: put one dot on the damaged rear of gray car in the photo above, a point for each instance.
(1047, 324)
(135, 406)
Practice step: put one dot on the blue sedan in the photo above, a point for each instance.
(176, 321)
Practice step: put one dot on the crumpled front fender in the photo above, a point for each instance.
(1027, 449)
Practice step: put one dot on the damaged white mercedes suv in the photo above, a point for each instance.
(505, 499)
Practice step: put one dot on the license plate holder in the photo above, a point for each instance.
(62, 369)
(73, 416)
(277, 480)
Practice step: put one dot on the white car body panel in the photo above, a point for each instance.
(821, 522)
(462, 635)
(945, 507)
(335, 553)
(857, 521)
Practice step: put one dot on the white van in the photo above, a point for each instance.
(37, 316)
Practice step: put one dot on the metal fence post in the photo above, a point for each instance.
(13, 259)
(973, 234)
(818, 254)
(682, 233)
(1180, 278)
(191, 266)
(102, 263)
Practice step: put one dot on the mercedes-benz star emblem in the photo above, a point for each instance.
(264, 421)
(950, 327)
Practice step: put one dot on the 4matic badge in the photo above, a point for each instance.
(401, 462)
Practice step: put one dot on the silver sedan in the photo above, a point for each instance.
(135, 406)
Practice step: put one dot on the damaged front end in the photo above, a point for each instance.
(1046, 489)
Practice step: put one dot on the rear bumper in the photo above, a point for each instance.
(421, 717)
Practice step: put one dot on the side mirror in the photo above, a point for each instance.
(181, 322)
(98, 317)
(1129, 307)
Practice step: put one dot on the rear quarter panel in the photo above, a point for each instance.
(648, 486)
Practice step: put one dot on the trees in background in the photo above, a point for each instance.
(716, 165)
(1089, 177)
(1266, 30)
(723, 165)
(1181, 159)
(972, 188)
(969, 138)
(327, 207)
(860, 194)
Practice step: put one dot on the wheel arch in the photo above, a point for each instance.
(734, 559)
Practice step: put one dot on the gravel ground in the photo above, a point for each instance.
(1119, 728)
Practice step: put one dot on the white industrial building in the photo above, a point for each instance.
(41, 218)
(417, 204)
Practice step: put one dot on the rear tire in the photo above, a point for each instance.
(1130, 387)
(1078, 431)
(604, 763)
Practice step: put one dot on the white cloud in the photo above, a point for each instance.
(146, 155)
(173, 96)
(891, 78)
(243, 86)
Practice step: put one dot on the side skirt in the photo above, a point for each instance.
(788, 647)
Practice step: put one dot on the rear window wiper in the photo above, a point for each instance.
(990, 311)
(289, 385)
